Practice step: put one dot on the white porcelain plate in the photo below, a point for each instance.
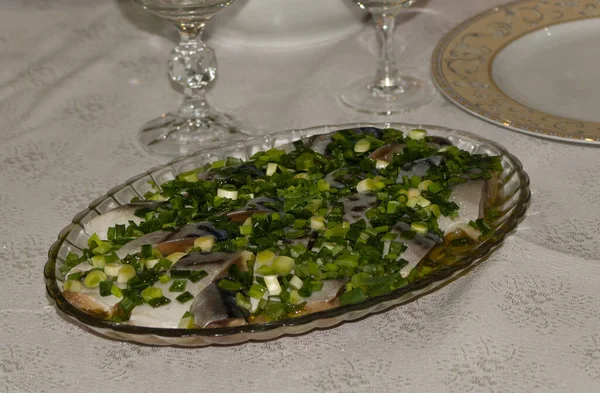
(531, 66)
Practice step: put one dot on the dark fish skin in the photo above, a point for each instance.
(256, 205)
(308, 240)
(339, 179)
(209, 306)
(228, 173)
(211, 262)
(172, 241)
(330, 178)
(386, 152)
(419, 167)
(355, 206)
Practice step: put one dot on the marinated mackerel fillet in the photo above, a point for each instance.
(318, 224)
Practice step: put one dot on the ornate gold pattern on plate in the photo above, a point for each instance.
(462, 62)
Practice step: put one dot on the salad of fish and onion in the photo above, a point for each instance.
(323, 222)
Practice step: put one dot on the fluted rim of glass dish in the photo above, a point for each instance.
(351, 312)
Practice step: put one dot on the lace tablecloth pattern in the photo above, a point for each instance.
(77, 80)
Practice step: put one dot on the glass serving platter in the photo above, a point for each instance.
(512, 201)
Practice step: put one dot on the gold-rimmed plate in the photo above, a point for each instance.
(530, 66)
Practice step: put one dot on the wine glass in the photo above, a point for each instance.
(388, 92)
(193, 66)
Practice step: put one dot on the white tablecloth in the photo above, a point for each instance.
(77, 80)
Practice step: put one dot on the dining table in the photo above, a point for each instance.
(78, 78)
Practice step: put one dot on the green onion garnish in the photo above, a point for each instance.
(197, 275)
(157, 302)
(178, 286)
(184, 297)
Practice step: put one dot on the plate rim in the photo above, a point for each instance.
(469, 103)
(303, 323)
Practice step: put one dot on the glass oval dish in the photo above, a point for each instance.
(512, 201)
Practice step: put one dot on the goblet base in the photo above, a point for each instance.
(404, 94)
(172, 135)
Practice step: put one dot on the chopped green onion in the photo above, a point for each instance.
(205, 243)
(242, 301)
(413, 193)
(176, 256)
(271, 168)
(184, 297)
(303, 176)
(150, 263)
(112, 269)
(274, 310)
(94, 278)
(283, 265)
(229, 194)
(317, 223)
(187, 321)
(424, 185)
(353, 296)
(74, 276)
(151, 293)
(420, 227)
(178, 286)
(365, 185)
(412, 202)
(246, 230)
(106, 287)
(116, 291)
(265, 257)
(423, 202)
(323, 185)
(98, 261)
(273, 285)
(295, 297)
(381, 164)
(257, 291)
(160, 301)
(146, 251)
(197, 275)
(176, 273)
(126, 273)
(72, 286)
(362, 145)
(316, 286)
(417, 134)
(296, 282)
(264, 270)
(165, 278)
(230, 285)
(190, 176)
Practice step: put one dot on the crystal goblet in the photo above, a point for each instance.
(193, 66)
(388, 92)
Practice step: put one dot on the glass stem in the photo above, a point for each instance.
(387, 71)
(193, 66)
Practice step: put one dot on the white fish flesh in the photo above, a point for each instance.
(121, 215)
(471, 200)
